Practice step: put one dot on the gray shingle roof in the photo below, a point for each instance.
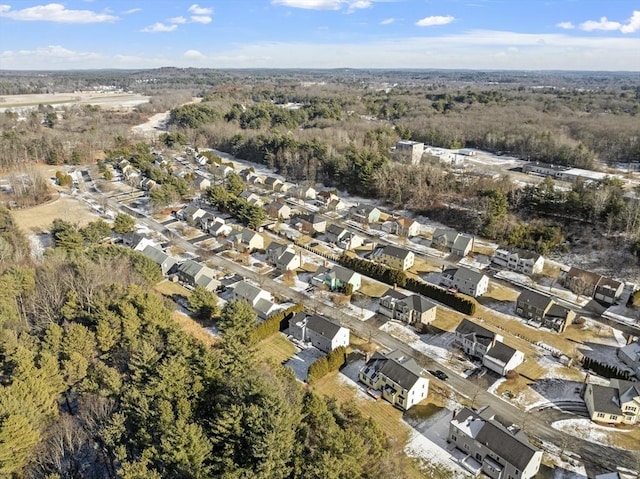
(535, 299)
(396, 252)
(461, 242)
(465, 274)
(394, 294)
(247, 291)
(323, 326)
(605, 399)
(501, 352)
(469, 327)
(419, 303)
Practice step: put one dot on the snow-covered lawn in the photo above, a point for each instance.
(589, 431)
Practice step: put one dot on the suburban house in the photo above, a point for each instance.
(414, 309)
(221, 171)
(617, 403)
(587, 283)
(162, 259)
(396, 377)
(251, 198)
(205, 221)
(459, 244)
(409, 151)
(219, 228)
(481, 343)
(343, 238)
(336, 204)
(148, 184)
(272, 183)
(310, 224)
(136, 241)
(337, 278)
(278, 211)
(191, 214)
(325, 197)
(499, 452)
(475, 340)
(247, 240)
(304, 192)
(365, 214)
(465, 280)
(289, 260)
(321, 332)
(630, 355)
(196, 274)
(259, 299)
(407, 227)
(285, 187)
(275, 250)
(200, 182)
(540, 308)
(521, 261)
(395, 257)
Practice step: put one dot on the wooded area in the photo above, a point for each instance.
(98, 381)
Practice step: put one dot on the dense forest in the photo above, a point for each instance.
(98, 381)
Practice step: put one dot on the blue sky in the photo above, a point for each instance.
(474, 34)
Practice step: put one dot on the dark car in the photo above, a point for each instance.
(439, 374)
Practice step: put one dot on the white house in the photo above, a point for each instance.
(521, 261)
(321, 332)
(465, 280)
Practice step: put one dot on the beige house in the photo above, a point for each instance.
(247, 240)
(618, 403)
(394, 257)
(396, 377)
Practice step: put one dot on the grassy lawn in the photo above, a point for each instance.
(501, 293)
(373, 289)
(167, 288)
(483, 249)
(276, 348)
(447, 319)
(422, 266)
(310, 267)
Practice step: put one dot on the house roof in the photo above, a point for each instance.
(501, 352)
(365, 209)
(513, 446)
(605, 399)
(627, 390)
(400, 369)
(335, 229)
(271, 180)
(467, 327)
(286, 257)
(156, 255)
(275, 246)
(461, 242)
(396, 252)
(609, 283)
(419, 303)
(450, 235)
(557, 311)
(264, 306)
(191, 268)
(465, 274)
(405, 222)
(205, 281)
(311, 218)
(247, 291)
(395, 294)
(535, 299)
(343, 274)
(323, 326)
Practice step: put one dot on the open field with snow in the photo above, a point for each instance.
(108, 100)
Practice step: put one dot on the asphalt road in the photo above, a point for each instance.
(597, 458)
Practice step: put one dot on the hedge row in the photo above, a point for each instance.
(323, 366)
(395, 276)
(276, 322)
(605, 370)
(458, 302)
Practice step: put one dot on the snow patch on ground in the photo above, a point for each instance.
(302, 360)
(587, 430)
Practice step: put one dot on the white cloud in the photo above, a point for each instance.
(204, 19)
(133, 10)
(159, 27)
(311, 4)
(198, 10)
(180, 19)
(435, 20)
(565, 25)
(633, 24)
(602, 24)
(55, 12)
(358, 5)
(387, 21)
(193, 54)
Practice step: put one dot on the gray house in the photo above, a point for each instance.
(196, 274)
(166, 262)
(414, 309)
(540, 308)
(498, 452)
(475, 340)
(321, 332)
(466, 280)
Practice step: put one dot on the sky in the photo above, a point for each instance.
(444, 34)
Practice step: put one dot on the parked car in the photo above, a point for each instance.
(439, 374)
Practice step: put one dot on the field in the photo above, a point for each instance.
(105, 100)
(39, 218)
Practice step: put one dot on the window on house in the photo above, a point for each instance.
(613, 417)
(466, 446)
(600, 414)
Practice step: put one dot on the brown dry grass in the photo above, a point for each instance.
(422, 266)
(275, 348)
(39, 218)
(501, 293)
(373, 289)
(193, 328)
(167, 288)
(483, 249)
